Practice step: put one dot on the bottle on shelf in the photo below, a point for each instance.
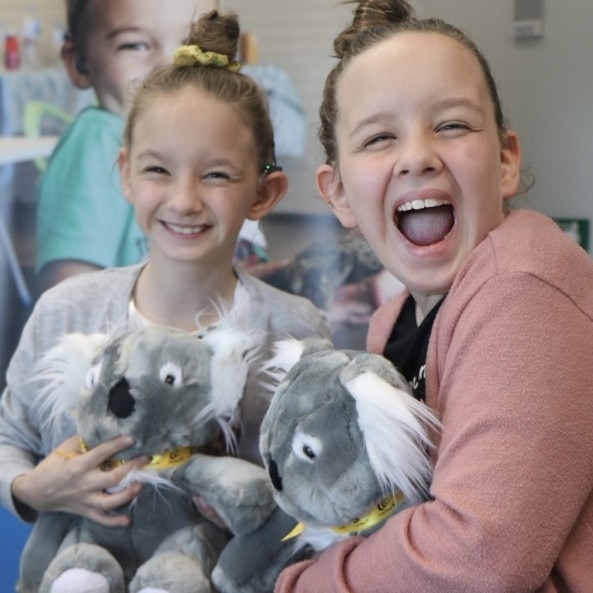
(31, 33)
(12, 52)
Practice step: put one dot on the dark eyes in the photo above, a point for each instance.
(171, 374)
(156, 170)
(217, 175)
(379, 138)
(453, 126)
(309, 452)
(134, 46)
(306, 446)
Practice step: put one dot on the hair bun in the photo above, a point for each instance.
(216, 32)
(369, 15)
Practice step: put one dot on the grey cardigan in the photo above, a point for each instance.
(99, 302)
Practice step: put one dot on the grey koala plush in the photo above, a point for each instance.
(345, 443)
(175, 393)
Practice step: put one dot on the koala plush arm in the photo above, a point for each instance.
(240, 491)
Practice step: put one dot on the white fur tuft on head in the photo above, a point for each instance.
(399, 458)
(286, 354)
(234, 352)
(62, 371)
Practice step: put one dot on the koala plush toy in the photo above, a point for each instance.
(176, 394)
(345, 443)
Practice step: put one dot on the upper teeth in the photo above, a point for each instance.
(420, 204)
(184, 230)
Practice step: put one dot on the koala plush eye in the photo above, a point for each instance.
(92, 377)
(171, 374)
(306, 447)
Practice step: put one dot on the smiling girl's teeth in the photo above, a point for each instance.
(421, 204)
(184, 230)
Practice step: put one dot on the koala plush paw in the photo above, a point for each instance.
(80, 580)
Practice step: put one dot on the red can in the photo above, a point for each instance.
(12, 53)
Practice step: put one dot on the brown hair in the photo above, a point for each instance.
(213, 32)
(75, 12)
(78, 21)
(373, 22)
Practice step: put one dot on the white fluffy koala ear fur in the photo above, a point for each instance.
(399, 460)
(62, 371)
(288, 352)
(233, 355)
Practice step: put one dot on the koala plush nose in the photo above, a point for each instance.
(274, 475)
(121, 402)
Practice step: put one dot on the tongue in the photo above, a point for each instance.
(427, 226)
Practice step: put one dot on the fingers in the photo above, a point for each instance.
(103, 507)
(81, 484)
(209, 512)
(69, 449)
(99, 454)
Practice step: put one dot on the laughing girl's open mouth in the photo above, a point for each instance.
(425, 222)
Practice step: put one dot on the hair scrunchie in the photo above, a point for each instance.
(189, 55)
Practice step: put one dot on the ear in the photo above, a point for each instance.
(123, 160)
(233, 352)
(62, 371)
(510, 164)
(395, 430)
(75, 67)
(329, 186)
(287, 353)
(271, 189)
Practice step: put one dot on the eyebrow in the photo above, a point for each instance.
(122, 30)
(149, 153)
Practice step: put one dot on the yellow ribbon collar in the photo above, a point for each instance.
(170, 458)
(379, 513)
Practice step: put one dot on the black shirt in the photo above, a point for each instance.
(407, 345)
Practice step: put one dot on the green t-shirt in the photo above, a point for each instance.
(82, 213)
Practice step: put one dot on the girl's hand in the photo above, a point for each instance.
(209, 512)
(73, 482)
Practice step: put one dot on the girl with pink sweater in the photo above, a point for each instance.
(494, 331)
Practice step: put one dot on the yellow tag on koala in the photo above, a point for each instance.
(297, 530)
(169, 458)
(381, 511)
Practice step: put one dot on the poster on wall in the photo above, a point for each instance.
(332, 267)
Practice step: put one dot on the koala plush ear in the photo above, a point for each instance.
(62, 371)
(288, 352)
(395, 429)
(233, 354)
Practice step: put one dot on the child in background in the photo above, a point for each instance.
(83, 221)
(494, 331)
(198, 160)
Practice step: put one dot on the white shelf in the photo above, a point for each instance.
(16, 149)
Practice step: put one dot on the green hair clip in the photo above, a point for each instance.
(271, 168)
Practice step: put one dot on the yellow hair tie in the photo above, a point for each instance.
(188, 55)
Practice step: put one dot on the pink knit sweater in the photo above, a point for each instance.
(510, 372)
